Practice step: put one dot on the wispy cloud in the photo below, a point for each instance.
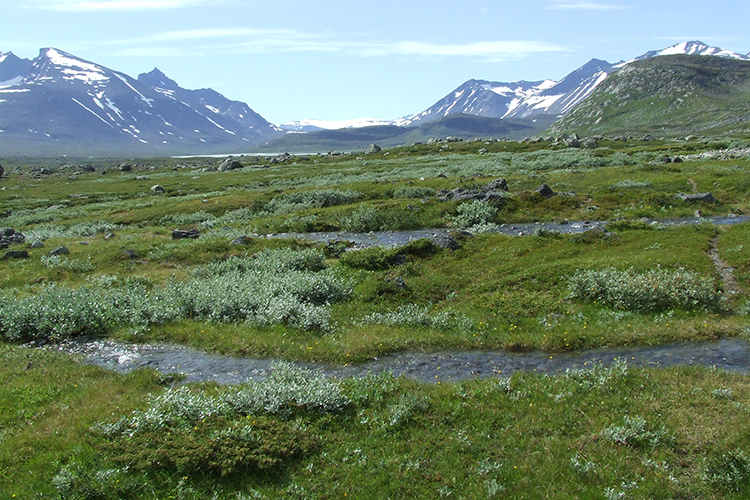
(578, 5)
(496, 50)
(257, 41)
(115, 5)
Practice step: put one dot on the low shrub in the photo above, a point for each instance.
(378, 258)
(730, 471)
(654, 290)
(474, 213)
(413, 192)
(636, 432)
(321, 198)
(415, 315)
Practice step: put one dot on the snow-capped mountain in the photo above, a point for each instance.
(312, 125)
(526, 99)
(61, 102)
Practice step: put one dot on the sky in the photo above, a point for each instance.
(345, 59)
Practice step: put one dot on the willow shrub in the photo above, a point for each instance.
(650, 291)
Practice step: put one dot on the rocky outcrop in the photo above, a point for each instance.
(9, 236)
(179, 234)
(229, 164)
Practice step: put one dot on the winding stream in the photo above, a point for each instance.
(199, 366)
(397, 238)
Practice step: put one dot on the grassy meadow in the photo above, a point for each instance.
(74, 431)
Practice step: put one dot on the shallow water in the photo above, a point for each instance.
(397, 238)
(196, 366)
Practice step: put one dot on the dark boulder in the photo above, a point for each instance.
(445, 241)
(498, 184)
(697, 197)
(17, 254)
(179, 234)
(8, 236)
(545, 191)
(60, 251)
(242, 240)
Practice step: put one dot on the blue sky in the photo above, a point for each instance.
(345, 59)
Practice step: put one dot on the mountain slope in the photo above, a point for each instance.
(61, 104)
(668, 95)
(527, 99)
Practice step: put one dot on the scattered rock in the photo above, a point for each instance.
(87, 169)
(242, 240)
(590, 143)
(9, 236)
(156, 188)
(545, 191)
(398, 281)
(229, 164)
(482, 151)
(124, 167)
(442, 176)
(2, 171)
(677, 159)
(109, 236)
(179, 234)
(16, 254)
(498, 184)
(130, 254)
(282, 158)
(374, 148)
(37, 244)
(60, 251)
(697, 197)
(445, 241)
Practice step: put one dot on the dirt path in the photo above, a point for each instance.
(729, 284)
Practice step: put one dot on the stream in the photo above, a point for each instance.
(398, 238)
(198, 366)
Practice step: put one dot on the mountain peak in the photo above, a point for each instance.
(157, 78)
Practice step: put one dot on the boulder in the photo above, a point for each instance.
(374, 148)
(590, 143)
(17, 254)
(2, 171)
(229, 164)
(498, 184)
(9, 236)
(37, 244)
(179, 234)
(124, 167)
(157, 189)
(697, 197)
(60, 251)
(545, 191)
(444, 241)
(242, 240)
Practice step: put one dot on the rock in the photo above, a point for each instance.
(666, 159)
(677, 159)
(398, 282)
(157, 189)
(445, 241)
(697, 197)
(498, 184)
(374, 148)
(482, 151)
(109, 236)
(545, 191)
(649, 137)
(282, 158)
(37, 244)
(179, 234)
(124, 167)
(16, 254)
(60, 251)
(130, 254)
(442, 176)
(87, 169)
(8, 236)
(698, 214)
(229, 164)
(590, 143)
(242, 240)
(2, 171)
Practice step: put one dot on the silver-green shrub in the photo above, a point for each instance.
(474, 213)
(320, 198)
(415, 315)
(650, 291)
(636, 432)
(286, 389)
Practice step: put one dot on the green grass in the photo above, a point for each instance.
(676, 433)
(669, 433)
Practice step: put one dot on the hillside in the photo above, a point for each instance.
(668, 95)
